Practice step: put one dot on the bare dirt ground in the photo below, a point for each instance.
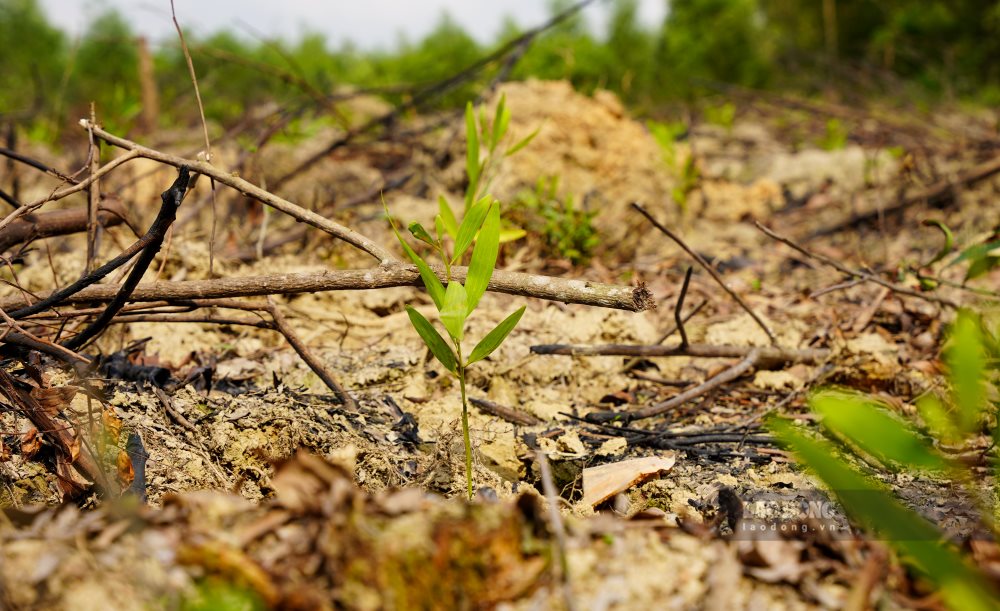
(266, 489)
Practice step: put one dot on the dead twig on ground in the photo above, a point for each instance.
(768, 356)
(737, 370)
(631, 364)
(855, 273)
(310, 359)
(514, 416)
(711, 270)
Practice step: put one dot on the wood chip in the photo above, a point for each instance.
(603, 482)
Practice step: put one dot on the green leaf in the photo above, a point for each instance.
(523, 143)
(484, 256)
(455, 310)
(448, 217)
(966, 358)
(471, 153)
(421, 234)
(940, 422)
(433, 339)
(494, 338)
(858, 420)
(434, 287)
(512, 234)
(471, 223)
(501, 120)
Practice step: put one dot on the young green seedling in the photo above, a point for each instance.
(457, 302)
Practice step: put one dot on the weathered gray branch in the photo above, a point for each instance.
(634, 299)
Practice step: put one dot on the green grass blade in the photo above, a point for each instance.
(439, 348)
(501, 120)
(523, 143)
(471, 223)
(455, 310)
(484, 257)
(494, 338)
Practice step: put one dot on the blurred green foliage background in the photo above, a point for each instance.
(928, 51)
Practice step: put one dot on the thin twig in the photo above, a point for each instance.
(656, 409)
(204, 128)
(250, 190)
(314, 363)
(678, 321)
(854, 273)
(631, 364)
(769, 356)
(514, 416)
(711, 270)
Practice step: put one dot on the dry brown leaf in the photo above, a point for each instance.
(31, 442)
(54, 400)
(603, 482)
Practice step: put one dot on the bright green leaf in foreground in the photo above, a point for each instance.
(919, 543)
(447, 217)
(890, 439)
(966, 358)
(495, 337)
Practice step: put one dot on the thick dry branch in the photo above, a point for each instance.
(250, 190)
(634, 299)
(769, 356)
(58, 222)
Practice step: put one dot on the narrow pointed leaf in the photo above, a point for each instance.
(494, 338)
(523, 143)
(966, 358)
(450, 223)
(500, 122)
(434, 287)
(471, 152)
(454, 311)
(512, 234)
(484, 257)
(439, 348)
(421, 234)
(471, 223)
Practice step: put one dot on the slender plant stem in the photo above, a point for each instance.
(465, 423)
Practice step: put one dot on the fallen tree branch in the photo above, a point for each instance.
(768, 356)
(633, 299)
(514, 416)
